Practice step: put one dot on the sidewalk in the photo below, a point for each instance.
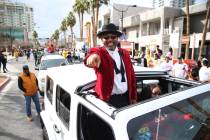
(4, 78)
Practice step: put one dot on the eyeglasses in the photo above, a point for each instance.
(108, 37)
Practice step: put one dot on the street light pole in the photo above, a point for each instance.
(122, 20)
(122, 13)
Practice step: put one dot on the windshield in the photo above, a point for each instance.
(185, 120)
(52, 63)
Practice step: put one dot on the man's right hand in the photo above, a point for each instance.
(93, 61)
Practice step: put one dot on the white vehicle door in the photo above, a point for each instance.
(49, 108)
(62, 117)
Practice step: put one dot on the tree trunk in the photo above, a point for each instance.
(81, 31)
(93, 27)
(204, 31)
(64, 38)
(188, 30)
(72, 37)
(96, 20)
(80, 24)
(89, 36)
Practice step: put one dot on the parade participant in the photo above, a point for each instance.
(116, 81)
(16, 55)
(35, 57)
(158, 52)
(51, 49)
(180, 69)
(170, 53)
(4, 63)
(1, 59)
(194, 74)
(28, 55)
(28, 83)
(204, 72)
(166, 65)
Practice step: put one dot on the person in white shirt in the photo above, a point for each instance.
(166, 65)
(204, 72)
(180, 69)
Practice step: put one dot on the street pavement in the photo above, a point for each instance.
(13, 122)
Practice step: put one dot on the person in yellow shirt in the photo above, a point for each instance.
(16, 54)
(65, 53)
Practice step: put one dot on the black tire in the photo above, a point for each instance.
(44, 133)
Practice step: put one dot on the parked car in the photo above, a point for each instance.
(48, 61)
(72, 111)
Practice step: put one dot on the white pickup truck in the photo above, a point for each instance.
(72, 111)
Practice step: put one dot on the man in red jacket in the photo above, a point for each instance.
(116, 81)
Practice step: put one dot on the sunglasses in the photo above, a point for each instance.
(108, 37)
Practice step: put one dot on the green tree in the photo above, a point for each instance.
(35, 38)
(63, 28)
(205, 29)
(70, 22)
(80, 7)
(55, 36)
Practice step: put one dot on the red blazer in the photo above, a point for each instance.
(105, 73)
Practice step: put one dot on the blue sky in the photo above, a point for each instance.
(48, 14)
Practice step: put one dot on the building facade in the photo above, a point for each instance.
(171, 3)
(118, 13)
(166, 27)
(16, 20)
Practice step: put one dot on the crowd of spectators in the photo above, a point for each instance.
(191, 69)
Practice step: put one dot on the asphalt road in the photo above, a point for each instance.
(13, 122)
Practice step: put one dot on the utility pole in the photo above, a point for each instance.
(122, 13)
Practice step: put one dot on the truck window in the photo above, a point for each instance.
(63, 101)
(91, 126)
(143, 88)
(185, 120)
(49, 88)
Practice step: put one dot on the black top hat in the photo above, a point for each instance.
(109, 29)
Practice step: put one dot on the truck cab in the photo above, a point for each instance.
(72, 111)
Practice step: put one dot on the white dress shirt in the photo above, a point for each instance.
(204, 74)
(118, 87)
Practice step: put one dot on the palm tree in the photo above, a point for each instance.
(94, 8)
(88, 36)
(56, 35)
(80, 7)
(205, 29)
(63, 28)
(35, 36)
(188, 29)
(71, 21)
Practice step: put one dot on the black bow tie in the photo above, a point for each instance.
(121, 70)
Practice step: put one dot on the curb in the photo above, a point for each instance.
(4, 83)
